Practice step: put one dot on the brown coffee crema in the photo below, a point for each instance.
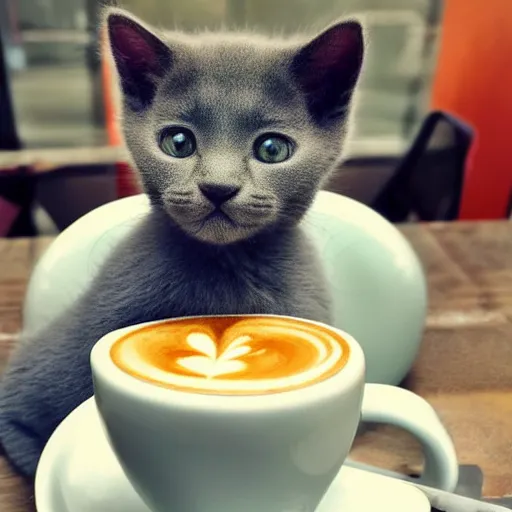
(232, 355)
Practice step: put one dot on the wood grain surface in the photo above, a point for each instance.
(464, 368)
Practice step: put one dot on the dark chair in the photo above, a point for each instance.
(16, 188)
(427, 184)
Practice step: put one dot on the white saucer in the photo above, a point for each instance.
(78, 472)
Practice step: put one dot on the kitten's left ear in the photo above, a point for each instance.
(327, 69)
(140, 57)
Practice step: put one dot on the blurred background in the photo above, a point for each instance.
(51, 52)
(59, 141)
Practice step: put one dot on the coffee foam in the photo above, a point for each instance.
(231, 355)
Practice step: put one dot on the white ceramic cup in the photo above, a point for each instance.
(278, 452)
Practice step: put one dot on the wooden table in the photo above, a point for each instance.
(464, 369)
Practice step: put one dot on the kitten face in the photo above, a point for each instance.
(231, 135)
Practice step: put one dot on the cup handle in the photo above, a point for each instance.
(396, 406)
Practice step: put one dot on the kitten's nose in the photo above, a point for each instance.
(218, 193)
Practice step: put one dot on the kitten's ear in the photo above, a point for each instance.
(140, 57)
(328, 67)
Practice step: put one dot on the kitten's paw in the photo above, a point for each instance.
(23, 446)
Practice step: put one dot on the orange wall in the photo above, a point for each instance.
(474, 81)
(125, 178)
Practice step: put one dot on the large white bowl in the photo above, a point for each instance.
(377, 281)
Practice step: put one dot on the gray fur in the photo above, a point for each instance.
(228, 89)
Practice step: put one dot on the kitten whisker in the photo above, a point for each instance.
(180, 201)
(260, 206)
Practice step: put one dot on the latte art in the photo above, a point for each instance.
(231, 355)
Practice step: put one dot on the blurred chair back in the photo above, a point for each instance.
(427, 184)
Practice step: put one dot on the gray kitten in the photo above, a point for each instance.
(232, 136)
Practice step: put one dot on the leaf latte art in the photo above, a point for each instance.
(231, 355)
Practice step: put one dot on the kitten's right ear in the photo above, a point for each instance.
(140, 58)
(327, 69)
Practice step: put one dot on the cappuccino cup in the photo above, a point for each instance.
(246, 413)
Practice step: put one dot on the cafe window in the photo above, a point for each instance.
(55, 73)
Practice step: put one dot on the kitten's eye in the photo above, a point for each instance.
(273, 148)
(177, 142)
